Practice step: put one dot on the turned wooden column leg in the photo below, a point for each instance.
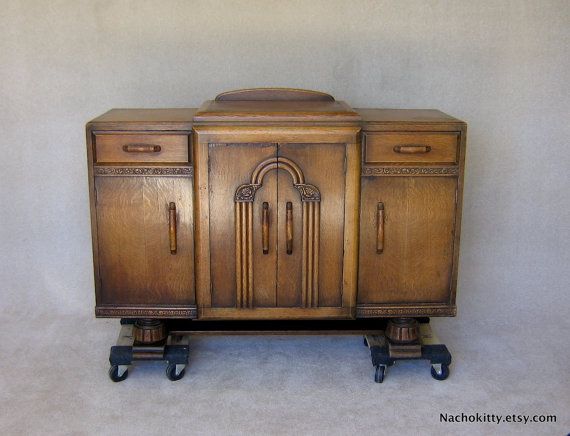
(149, 331)
(402, 330)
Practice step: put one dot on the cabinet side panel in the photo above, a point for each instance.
(416, 262)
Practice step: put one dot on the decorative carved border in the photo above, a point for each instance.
(308, 192)
(246, 193)
(142, 312)
(144, 171)
(383, 311)
(410, 171)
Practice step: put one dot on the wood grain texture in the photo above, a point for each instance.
(395, 147)
(274, 94)
(273, 313)
(324, 112)
(135, 262)
(121, 148)
(414, 117)
(231, 165)
(176, 120)
(321, 227)
(419, 219)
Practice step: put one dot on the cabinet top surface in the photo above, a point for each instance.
(183, 118)
(213, 111)
(406, 116)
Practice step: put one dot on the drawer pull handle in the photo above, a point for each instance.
(412, 149)
(141, 148)
(265, 227)
(172, 227)
(380, 228)
(289, 227)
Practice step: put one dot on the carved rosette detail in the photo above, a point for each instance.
(145, 313)
(246, 193)
(144, 171)
(410, 171)
(308, 192)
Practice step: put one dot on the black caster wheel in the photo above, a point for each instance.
(171, 372)
(440, 375)
(379, 373)
(114, 374)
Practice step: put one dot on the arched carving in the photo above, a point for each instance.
(244, 198)
(246, 193)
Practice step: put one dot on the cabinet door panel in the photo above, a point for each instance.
(135, 263)
(322, 166)
(416, 262)
(231, 165)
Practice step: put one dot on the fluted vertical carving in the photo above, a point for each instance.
(244, 198)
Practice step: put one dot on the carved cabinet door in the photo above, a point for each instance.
(145, 242)
(310, 225)
(276, 229)
(407, 227)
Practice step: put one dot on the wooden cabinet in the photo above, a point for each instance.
(275, 205)
(142, 220)
(410, 213)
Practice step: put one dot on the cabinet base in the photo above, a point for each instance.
(174, 349)
(385, 352)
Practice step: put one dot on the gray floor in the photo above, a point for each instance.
(53, 381)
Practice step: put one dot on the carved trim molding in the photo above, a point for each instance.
(246, 193)
(144, 171)
(410, 171)
(308, 192)
(141, 312)
(374, 311)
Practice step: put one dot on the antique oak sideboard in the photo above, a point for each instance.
(281, 209)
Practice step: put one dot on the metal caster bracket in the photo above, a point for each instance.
(385, 353)
(174, 350)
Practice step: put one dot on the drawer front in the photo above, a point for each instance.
(117, 148)
(404, 147)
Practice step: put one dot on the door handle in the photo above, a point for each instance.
(141, 148)
(412, 149)
(289, 227)
(380, 228)
(265, 227)
(172, 227)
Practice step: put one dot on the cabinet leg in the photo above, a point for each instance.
(149, 331)
(406, 338)
(402, 330)
(148, 340)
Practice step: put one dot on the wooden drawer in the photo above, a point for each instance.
(147, 148)
(405, 147)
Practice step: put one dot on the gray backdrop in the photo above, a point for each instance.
(502, 66)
